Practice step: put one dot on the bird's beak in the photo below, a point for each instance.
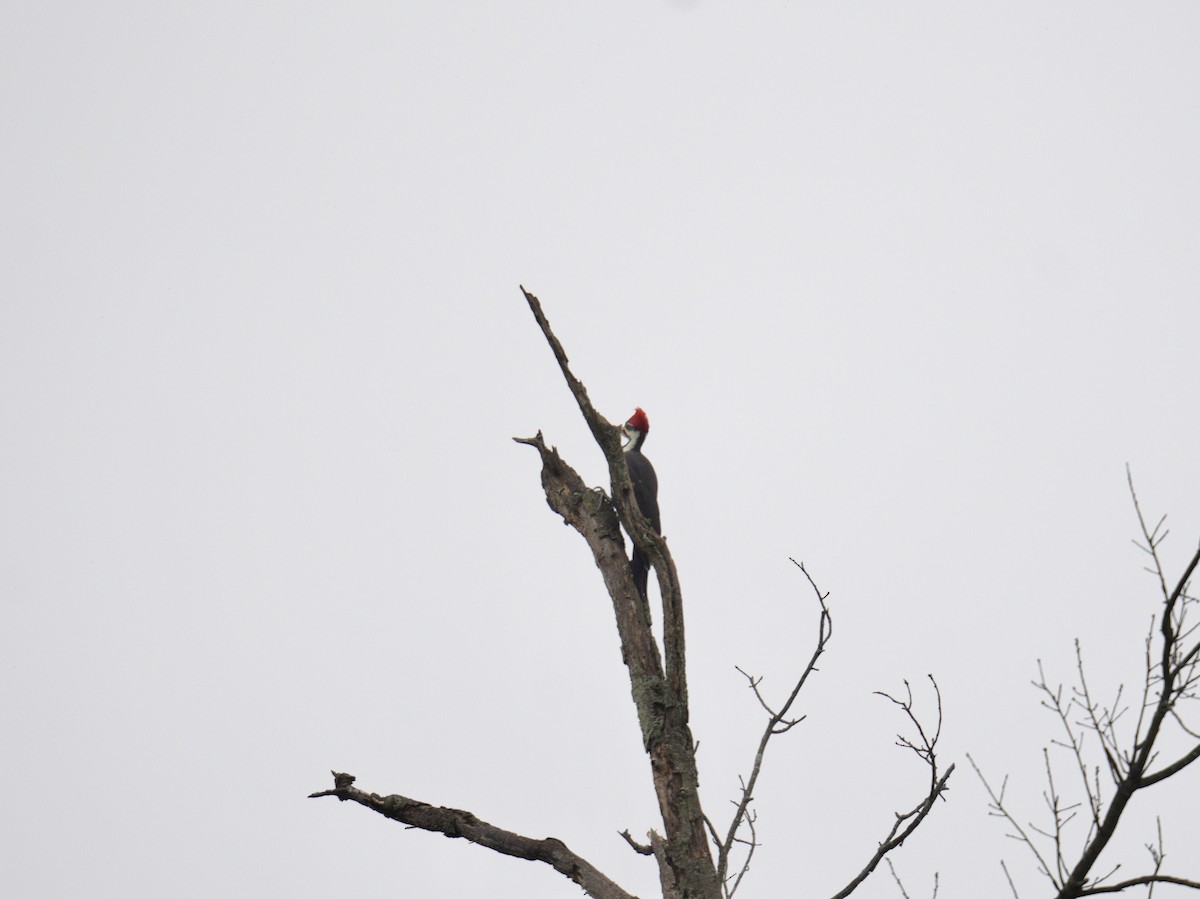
(626, 437)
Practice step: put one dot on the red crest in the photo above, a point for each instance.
(638, 421)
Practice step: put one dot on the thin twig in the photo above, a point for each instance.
(997, 808)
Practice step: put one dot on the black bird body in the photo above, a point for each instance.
(645, 492)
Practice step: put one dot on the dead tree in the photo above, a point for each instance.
(694, 858)
(1109, 762)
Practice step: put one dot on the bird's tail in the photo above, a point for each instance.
(640, 566)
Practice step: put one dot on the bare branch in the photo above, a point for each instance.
(1152, 537)
(753, 683)
(998, 809)
(777, 723)
(1170, 770)
(925, 747)
(1103, 724)
(899, 882)
(1183, 727)
(639, 848)
(456, 823)
(906, 823)
(1012, 886)
(1148, 880)
(750, 844)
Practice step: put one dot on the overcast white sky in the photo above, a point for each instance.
(902, 287)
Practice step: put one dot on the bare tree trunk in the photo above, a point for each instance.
(659, 694)
(662, 716)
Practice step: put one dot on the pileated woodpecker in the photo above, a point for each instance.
(645, 490)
